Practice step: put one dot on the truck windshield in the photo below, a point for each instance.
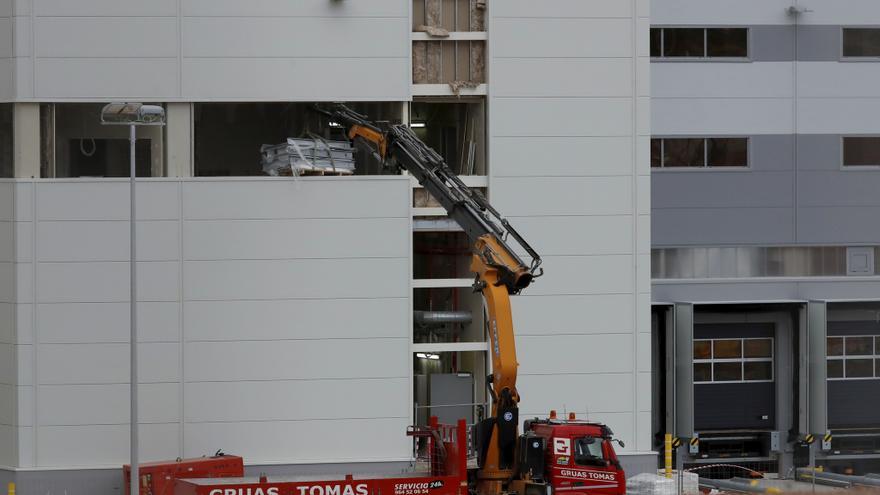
(588, 451)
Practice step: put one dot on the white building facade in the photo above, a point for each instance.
(276, 314)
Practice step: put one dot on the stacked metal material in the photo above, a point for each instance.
(308, 157)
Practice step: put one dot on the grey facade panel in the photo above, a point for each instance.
(818, 43)
(772, 43)
(735, 406)
(709, 226)
(819, 152)
(853, 403)
(733, 330)
(765, 290)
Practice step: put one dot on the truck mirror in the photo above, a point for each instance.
(620, 442)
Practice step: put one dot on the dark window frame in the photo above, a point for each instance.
(705, 57)
(706, 164)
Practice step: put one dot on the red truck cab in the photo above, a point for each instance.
(580, 458)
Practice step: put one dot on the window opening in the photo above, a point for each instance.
(733, 360)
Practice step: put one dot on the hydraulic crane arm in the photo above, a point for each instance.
(500, 272)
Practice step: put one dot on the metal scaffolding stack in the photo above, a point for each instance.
(308, 157)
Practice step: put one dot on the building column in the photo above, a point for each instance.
(179, 139)
(26, 140)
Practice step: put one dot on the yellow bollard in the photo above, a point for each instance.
(667, 455)
(10, 488)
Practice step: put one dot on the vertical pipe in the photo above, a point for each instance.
(135, 475)
(667, 455)
(10, 488)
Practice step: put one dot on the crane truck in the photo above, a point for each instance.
(564, 455)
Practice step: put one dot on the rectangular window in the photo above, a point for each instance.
(853, 357)
(693, 42)
(733, 360)
(861, 151)
(700, 152)
(861, 42)
(6, 165)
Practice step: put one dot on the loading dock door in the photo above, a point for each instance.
(734, 382)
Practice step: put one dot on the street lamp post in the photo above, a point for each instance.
(133, 115)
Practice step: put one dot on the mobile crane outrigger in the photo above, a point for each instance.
(571, 457)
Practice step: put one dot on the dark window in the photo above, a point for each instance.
(727, 349)
(700, 42)
(834, 346)
(684, 153)
(6, 165)
(758, 348)
(727, 42)
(859, 368)
(588, 451)
(107, 157)
(700, 152)
(758, 370)
(861, 151)
(684, 42)
(835, 368)
(861, 42)
(656, 152)
(859, 346)
(702, 349)
(728, 372)
(656, 42)
(728, 152)
(702, 372)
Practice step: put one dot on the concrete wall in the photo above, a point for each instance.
(262, 320)
(198, 50)
(569, 127)
(795, 112)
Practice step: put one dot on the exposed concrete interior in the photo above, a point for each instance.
(447, 61)
(455, 128)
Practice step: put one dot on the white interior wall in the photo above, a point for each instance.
(197, 50)
(569, 167)
(267, 324)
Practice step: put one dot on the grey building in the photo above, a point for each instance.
(765, 172)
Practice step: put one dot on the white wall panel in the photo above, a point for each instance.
(296, 79)
(84, 364)
(69, 405)
(7, 323)
(297, 360)
(561, 37)
(733, 12)
(383, 439)
(6, 37)
(106, 282)
(301, 238)
(579, 393)
(8, 404)
(552, 315)
(301, 8)
(536, 77)
(301, 198)
(585, 275)
(282, 400)
(563, 196)
(708, 116)
(70, 323)
(611, 353)
(106, 78)
(286, 279)
(561, 117)
(7, 201)
(7, 287)
(573, 236)
(103, 445)
(266, 37)
(7, 242)
(24, 242)
(106, 241)
(722, 80)
(296, 319)
(105, 200)
(574, 156)
(562, 8)
(838, 115)
(97, 8)
(838, 80)
(95, 37)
